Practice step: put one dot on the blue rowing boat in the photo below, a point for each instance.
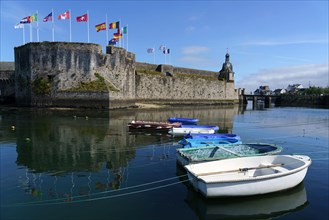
(211, 136)
(194, 143)
(184, 121)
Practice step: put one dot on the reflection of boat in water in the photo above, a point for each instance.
(254, 207)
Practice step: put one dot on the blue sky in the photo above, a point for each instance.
(273, 43)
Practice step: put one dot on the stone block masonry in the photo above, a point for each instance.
(60, 74)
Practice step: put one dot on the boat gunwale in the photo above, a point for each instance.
(256, 178)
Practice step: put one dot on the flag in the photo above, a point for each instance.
(162, 48)
(25, 20)
(19, 25)
(114, 25)
(150, 50)
(34, 17)
(125, 30)
(82, 18)
(48, 17)
(166, 51)
(65, 15)
(117, 35)
(113, 41)
(100, 27)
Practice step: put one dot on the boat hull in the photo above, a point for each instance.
(182, 131)
(186, 156)
(151, 126)
(184, 121)
(249, 182)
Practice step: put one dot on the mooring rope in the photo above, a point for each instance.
(60, 200)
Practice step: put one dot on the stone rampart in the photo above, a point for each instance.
(7, 82)
(60, 69)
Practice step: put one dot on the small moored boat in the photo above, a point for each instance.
(246, 176)
(192, 143)
(211, 136)
(182, 131)
(152, 125)
(216, 128)
(219, 152)
(184, 121)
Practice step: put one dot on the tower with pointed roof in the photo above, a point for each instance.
(227, 70)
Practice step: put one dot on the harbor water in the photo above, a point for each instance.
(85, 164)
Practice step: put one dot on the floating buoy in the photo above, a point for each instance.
(13, 127)
(27, 140)
(86, 117)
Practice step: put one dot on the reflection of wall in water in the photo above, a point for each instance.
(222, 117)
(71, 143)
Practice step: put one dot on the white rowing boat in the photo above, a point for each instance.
(248, 176)
(183, 131)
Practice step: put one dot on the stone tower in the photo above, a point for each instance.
(227, 70)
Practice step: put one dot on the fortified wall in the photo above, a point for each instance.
(60, 74)
(7, 82)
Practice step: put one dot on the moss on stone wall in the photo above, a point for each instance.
(183, 75)
(151, 72)
(98, 85)
(41, 86)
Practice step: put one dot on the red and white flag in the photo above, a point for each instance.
(65, 15)
(82, 18)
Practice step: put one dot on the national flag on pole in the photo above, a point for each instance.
(113, 41)
(150, 50)
(64, 16)
(125, 30)
(26, 20)
(114, 25)
(166, 51)
(48, 17)
(162, 48)
(17, 26)
(100, 27)
(117, 35)
(82, 18)
(34, 17)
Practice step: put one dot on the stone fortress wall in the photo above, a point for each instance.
(64, 66)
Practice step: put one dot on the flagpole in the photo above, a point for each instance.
(127, 37)
(165, 54)
(70, 25)
(106, 29)
(31, 38)
(88, 24)
(121, 34)
(38, 27)
(52, 21)
(123, 38)
(23, 34)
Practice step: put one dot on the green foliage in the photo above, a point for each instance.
(316, 91)
(192, 76)
(41, 86)
(152, 72)
(178, 75)
(98, 85)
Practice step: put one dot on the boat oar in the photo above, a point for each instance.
(227, 150)
(241, 169)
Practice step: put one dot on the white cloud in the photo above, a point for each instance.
(278, 43)
(189, 29)
(192, 59)
(193, 18)
(194, 50)
(313, 74)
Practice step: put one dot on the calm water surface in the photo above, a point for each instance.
(69, 164)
